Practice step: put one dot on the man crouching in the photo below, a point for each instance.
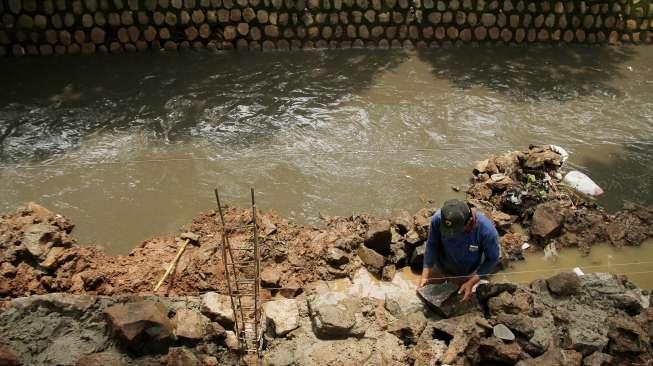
(462, 247)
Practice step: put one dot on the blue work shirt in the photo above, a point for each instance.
(472, 251)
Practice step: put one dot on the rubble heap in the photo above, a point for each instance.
(525, 187)
(597, 319)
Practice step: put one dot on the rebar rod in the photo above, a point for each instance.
(225, 241)
(226, 267)
(258, 278)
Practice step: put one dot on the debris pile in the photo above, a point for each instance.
(525, 190)
(563, 320)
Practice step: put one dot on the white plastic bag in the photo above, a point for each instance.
(582, 183)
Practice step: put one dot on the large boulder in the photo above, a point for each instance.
(379, 237)
(189, 324)
(282, 316)
(546, 221)
(335, 315)
(140, 323)
(218, 307)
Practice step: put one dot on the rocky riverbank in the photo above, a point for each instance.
(596, 319)
(79, 289)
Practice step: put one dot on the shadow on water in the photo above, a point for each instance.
(534, 73)
(625, 175)
(54, 103)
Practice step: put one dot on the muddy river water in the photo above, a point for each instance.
(132, 146)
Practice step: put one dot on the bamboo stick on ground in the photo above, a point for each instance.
(172, 265)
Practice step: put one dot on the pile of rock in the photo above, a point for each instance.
(67, 329)
(597, 319)
(525, 188)
(389, 245)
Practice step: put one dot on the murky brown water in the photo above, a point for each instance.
(132, 146)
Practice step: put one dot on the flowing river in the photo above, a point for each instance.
(132, 146)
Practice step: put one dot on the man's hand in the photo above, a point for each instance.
(466, 288)
(426, 276)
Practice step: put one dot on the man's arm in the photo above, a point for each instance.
(430, 250)
(492, 251)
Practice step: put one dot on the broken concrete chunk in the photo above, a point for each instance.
(51, 259)
(403, 220)
(372, 260)
(39, 238)
(520, 323)
(189, 324)
(282, 316)
(564, 284)
(336, 256)
(231, 341)
(379, 237)
(402, 303)
(218, 307)
(493, 349)
(546, 221)
(139, 323)
(270, 277)
(408, 327)
(334, 315)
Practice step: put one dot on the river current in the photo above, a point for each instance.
(132, 146)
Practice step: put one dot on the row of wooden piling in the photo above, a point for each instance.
(47, 27)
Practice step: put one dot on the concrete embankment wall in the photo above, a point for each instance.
(46, 27)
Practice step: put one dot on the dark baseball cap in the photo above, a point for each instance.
(454, 214)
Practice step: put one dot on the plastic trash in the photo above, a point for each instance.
(563, 153)
(578, 271)
(551, 253)
(525, 246)
(582, 183)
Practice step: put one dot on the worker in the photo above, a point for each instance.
(462, 247)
